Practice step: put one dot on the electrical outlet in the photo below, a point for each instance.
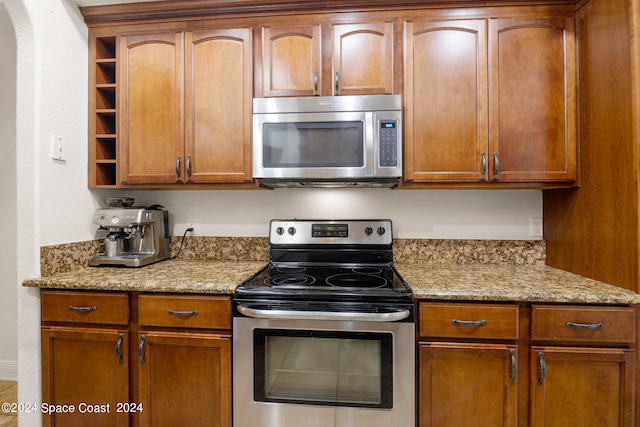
(191, 223)
(535, 227)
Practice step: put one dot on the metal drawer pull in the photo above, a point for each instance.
(183, 313)
(141, 351)
(585, 325)
(468, 322)
(543, 369)
(315, 82)
(118, 347)
(178, 169)
(496, 165)
(82, 309)
(188, 168)
(483, 177)
(514, 367)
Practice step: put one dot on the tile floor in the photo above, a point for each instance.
(8, 394)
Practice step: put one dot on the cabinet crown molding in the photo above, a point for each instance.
(166, 9)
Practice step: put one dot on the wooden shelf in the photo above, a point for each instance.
(103, 134)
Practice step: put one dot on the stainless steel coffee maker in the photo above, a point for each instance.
(135, 236)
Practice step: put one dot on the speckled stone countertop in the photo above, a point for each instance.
(440, 281)
(472, 270)
(490, 282)
(177, 275)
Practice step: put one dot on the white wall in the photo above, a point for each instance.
(54, 205)
(483, 214)
(8, 220)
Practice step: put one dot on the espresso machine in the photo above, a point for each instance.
(135, 236)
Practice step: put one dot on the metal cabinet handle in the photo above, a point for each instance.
(315, 82)
(468, 322)
(188, 168)
(585, 325)
(141, 351)
(183, 313)
(82, 309)
(514, 367)
(496, 165)
(337, 82)
(543, 369)
(118, 348)
(178, 169)
(483, 177)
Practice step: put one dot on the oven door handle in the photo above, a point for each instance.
(323, 315)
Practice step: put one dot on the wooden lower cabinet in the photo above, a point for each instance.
(583, 365)
(468, 385)
(519, 364)
(586, 387)
(85, 376)
(184, 379)
(118, 359)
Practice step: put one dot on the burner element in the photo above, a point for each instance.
(290, 280)
(356, 280)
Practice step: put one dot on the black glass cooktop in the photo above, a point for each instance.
(326, 282)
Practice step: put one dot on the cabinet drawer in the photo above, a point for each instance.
(469, 320)
(85, 307)
(583, 324)
(185, 311)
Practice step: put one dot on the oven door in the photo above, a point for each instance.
(325, 145)
(316, 373)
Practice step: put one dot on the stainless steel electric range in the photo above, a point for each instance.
(324, 335)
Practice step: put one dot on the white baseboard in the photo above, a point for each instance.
(9, 370)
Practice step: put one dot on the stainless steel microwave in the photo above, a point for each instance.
(328, 141)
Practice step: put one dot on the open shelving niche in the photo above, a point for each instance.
(105, 143)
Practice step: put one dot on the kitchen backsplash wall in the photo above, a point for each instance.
(72, 256)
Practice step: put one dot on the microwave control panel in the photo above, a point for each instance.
(388, 137)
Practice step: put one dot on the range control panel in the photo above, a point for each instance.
(351, 232)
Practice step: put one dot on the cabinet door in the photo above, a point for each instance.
(446, 101)
(464, 385)
(532, 119)
(185, 379)
(150, 99)
(362, 58)
(291, 61)
(582, 387)
(218, 104)
(86, 368)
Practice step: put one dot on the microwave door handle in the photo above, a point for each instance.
(322, 315)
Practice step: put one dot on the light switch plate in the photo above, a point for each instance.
(57, 148)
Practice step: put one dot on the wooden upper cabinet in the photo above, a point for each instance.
(150, 102)
(359, 60)
(218, 99)
(362, 60)
(446, 101)
(533, 99)
(186, 107)
(490, 100)
(291, 61)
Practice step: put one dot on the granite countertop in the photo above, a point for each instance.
(175, 275)
(441, 281)
(489, 282)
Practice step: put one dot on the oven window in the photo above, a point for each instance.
(311, 144)
(352, 369)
